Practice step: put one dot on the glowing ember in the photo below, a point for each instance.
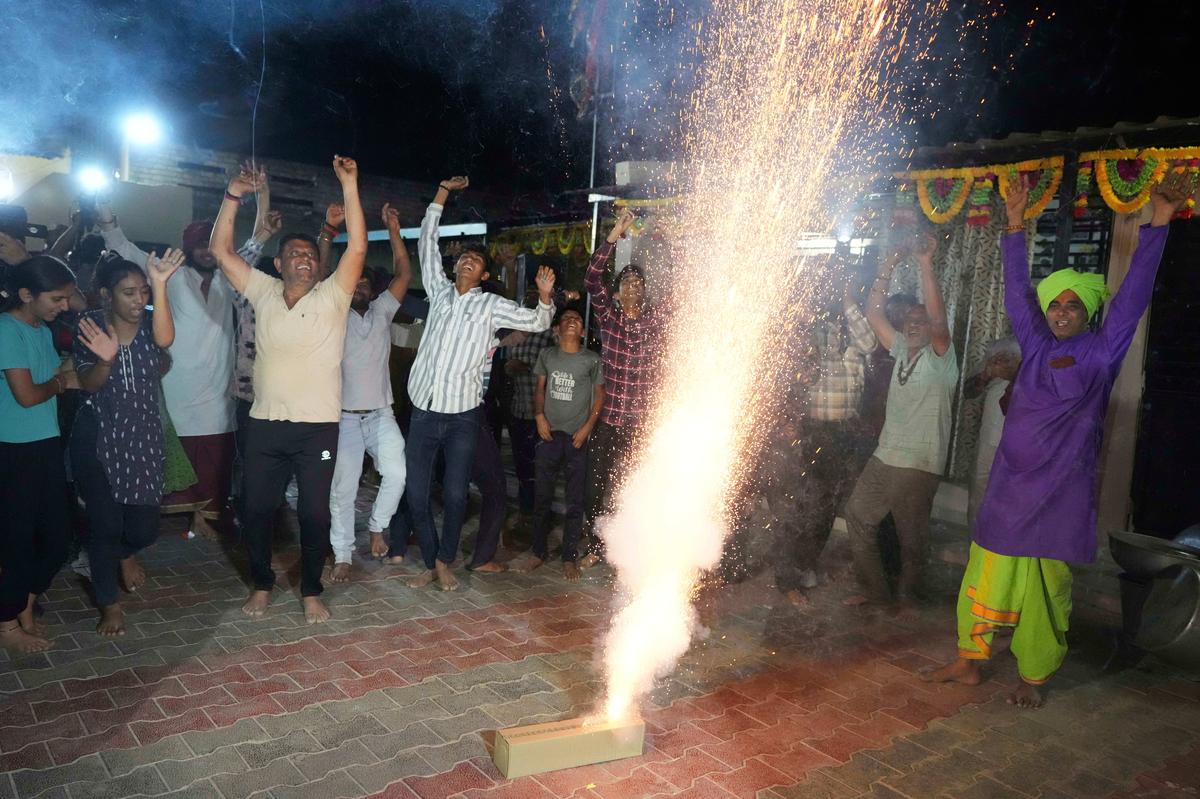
(788, 94)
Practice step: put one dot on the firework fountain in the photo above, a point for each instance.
(789, 95)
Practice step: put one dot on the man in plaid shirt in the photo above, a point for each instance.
(815, 457)
(629, 335)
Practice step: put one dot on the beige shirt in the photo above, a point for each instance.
(298, 370)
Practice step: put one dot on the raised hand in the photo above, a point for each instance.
(335, 215)
(625, 220)
(1017, 198)
(1170, 195)
(272, 223)
(248, 180)
(545, 282)
(391, 217)
(926, 246)
(161, 269)
(456, 183)
(96, 339)
(345, 168)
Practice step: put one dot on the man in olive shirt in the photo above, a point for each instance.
(300, 333)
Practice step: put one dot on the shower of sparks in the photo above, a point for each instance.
(787, 101)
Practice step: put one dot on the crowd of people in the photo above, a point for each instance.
(213, 381)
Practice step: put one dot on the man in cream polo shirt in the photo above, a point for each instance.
(300, 333)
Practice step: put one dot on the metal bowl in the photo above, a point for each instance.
(1171, 617)
(1146, 556)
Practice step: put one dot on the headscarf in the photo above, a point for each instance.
(195, 236)
(1090, 288)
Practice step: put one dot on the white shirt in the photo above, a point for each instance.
(366, 381)
(447, 375)
(197, 386)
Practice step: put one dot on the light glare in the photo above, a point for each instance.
(143, 129)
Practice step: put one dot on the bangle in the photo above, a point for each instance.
(328, 229)
(444, 187)
(237, 198)
(1015, 228)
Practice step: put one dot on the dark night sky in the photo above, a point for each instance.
(421, 88)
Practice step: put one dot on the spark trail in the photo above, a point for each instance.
(787, 100)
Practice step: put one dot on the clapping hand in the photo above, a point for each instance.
(161, 269)
(456, 183)
(98, 340)
(272, 223)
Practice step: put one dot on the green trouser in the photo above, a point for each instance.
(1031, 595)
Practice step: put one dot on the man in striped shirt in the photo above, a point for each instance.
(629, 335)
(446, 383)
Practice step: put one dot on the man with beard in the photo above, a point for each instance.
(300, 333)
(368, 423)
(196, 387)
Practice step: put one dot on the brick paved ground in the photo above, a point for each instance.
(397, 697)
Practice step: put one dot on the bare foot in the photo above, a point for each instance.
(112, 621)
(340, 573)
(423, 579)
(202, 528)
(1027, 696)
(797, 597)
(14, 639)
(29, 622)
(907, 610)
(570, 570)
(256, 605)
(315, 611)
(589, 560)
(961, 670)
(446, 578)
(491, 567)
(132, 574)
(395, 560)
(379, 547)
(855, 600)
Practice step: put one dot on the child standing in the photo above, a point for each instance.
(566, 405)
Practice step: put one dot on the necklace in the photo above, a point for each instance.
(902, 376)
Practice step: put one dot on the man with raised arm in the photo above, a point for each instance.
(446, 383)
(368, 423)
(1039, 510)
(202, 361)
(300, 333)
(902, 476)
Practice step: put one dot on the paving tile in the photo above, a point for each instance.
(750, 779)
(148, 732)
(453, 728)
(276, 774)
(31, 783)
(333, 735)
(394, 743)
(180, 773)
(683, 771)
(295, 742)
(338, 785)
(143, 780)
(122, 761)
(35, 756)
(463, 777)
(455, 703)
(377, 776)
(445, 757)
(318, 764)
(205, 741)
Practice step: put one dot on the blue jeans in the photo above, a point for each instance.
(454, 435)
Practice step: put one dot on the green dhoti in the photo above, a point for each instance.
(1030, 595)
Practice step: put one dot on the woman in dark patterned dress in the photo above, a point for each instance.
(117, 443)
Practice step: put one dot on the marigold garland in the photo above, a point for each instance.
(941, 208)
(979, 209)
(1050, 176)
(1083, 182)
(1125, 196)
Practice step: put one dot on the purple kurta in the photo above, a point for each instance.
(1041, 498)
